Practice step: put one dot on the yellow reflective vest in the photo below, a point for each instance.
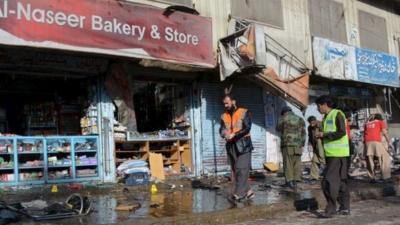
(336, 148)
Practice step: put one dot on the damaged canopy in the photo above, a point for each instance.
(254, 54)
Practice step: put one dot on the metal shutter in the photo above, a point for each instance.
(213, 146)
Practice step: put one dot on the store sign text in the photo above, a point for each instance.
(98, 23)
(110, 27)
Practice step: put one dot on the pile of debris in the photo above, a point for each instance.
(75, 205)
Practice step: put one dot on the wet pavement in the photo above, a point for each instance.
(174, 199)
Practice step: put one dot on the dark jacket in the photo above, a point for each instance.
(241, 142)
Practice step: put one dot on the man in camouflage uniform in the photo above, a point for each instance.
(293, 136)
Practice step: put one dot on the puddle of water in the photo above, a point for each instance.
(168, 203)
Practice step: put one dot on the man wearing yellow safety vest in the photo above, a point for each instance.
(235, 129)
(337, 150)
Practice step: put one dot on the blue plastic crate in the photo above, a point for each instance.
(139, 178)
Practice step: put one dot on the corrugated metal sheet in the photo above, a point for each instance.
(214, 153)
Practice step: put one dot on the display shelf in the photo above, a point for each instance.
(52, 152)
(87, 151)
(87, 165)
(61, 166)
(176, 152)
(7, 168)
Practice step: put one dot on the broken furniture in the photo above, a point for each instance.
(176, 153)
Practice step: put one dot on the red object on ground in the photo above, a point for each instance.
(75, 186)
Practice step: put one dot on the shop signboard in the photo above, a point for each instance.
(345, 62)
(377, 67)
(108, 27)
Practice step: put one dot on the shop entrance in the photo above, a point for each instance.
(42, 106)
(48, 117)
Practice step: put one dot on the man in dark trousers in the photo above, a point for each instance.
(336, 147)
(235, 129)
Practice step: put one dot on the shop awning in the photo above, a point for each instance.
(252, 53)
(110, 27)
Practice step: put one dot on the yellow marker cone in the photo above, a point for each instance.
(54, 189)
(153, 189)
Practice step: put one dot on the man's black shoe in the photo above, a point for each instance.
(325, 216)
(344, 212)
(293, 185)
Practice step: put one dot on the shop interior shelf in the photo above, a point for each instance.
(166, 150)
(30, 153)
(30, 167)
(58, 152)
(6, 168)
(87, 144)
(86, 165)
(60, 166)
(89, 175)
(88, 151)
(131, 151)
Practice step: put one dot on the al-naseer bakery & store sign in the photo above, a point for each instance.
(108, 27)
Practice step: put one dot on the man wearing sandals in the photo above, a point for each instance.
(235, 129)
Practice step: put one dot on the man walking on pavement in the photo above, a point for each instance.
(293, 136)
(235, 129)
(336, 147)
(318, 159)
(375, 128)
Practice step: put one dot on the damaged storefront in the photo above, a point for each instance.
(264, 76)
(116, 88)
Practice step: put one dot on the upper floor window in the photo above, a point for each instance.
(373, 32)
(264, 11)
(327, 20)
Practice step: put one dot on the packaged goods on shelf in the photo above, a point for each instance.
(6, 164)
(162, 134)
(86, 146)
(84, 160)
(6, 146)
(33, 163)
(30, 176)
(54, 161)
(89, 124)
(59, 174)
(59, 146)
(120, 132)
(6, 177)
(30, 146)
(86, 172)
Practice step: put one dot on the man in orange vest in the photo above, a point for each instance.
(235, 129)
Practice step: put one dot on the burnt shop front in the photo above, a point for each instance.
(80, 91)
